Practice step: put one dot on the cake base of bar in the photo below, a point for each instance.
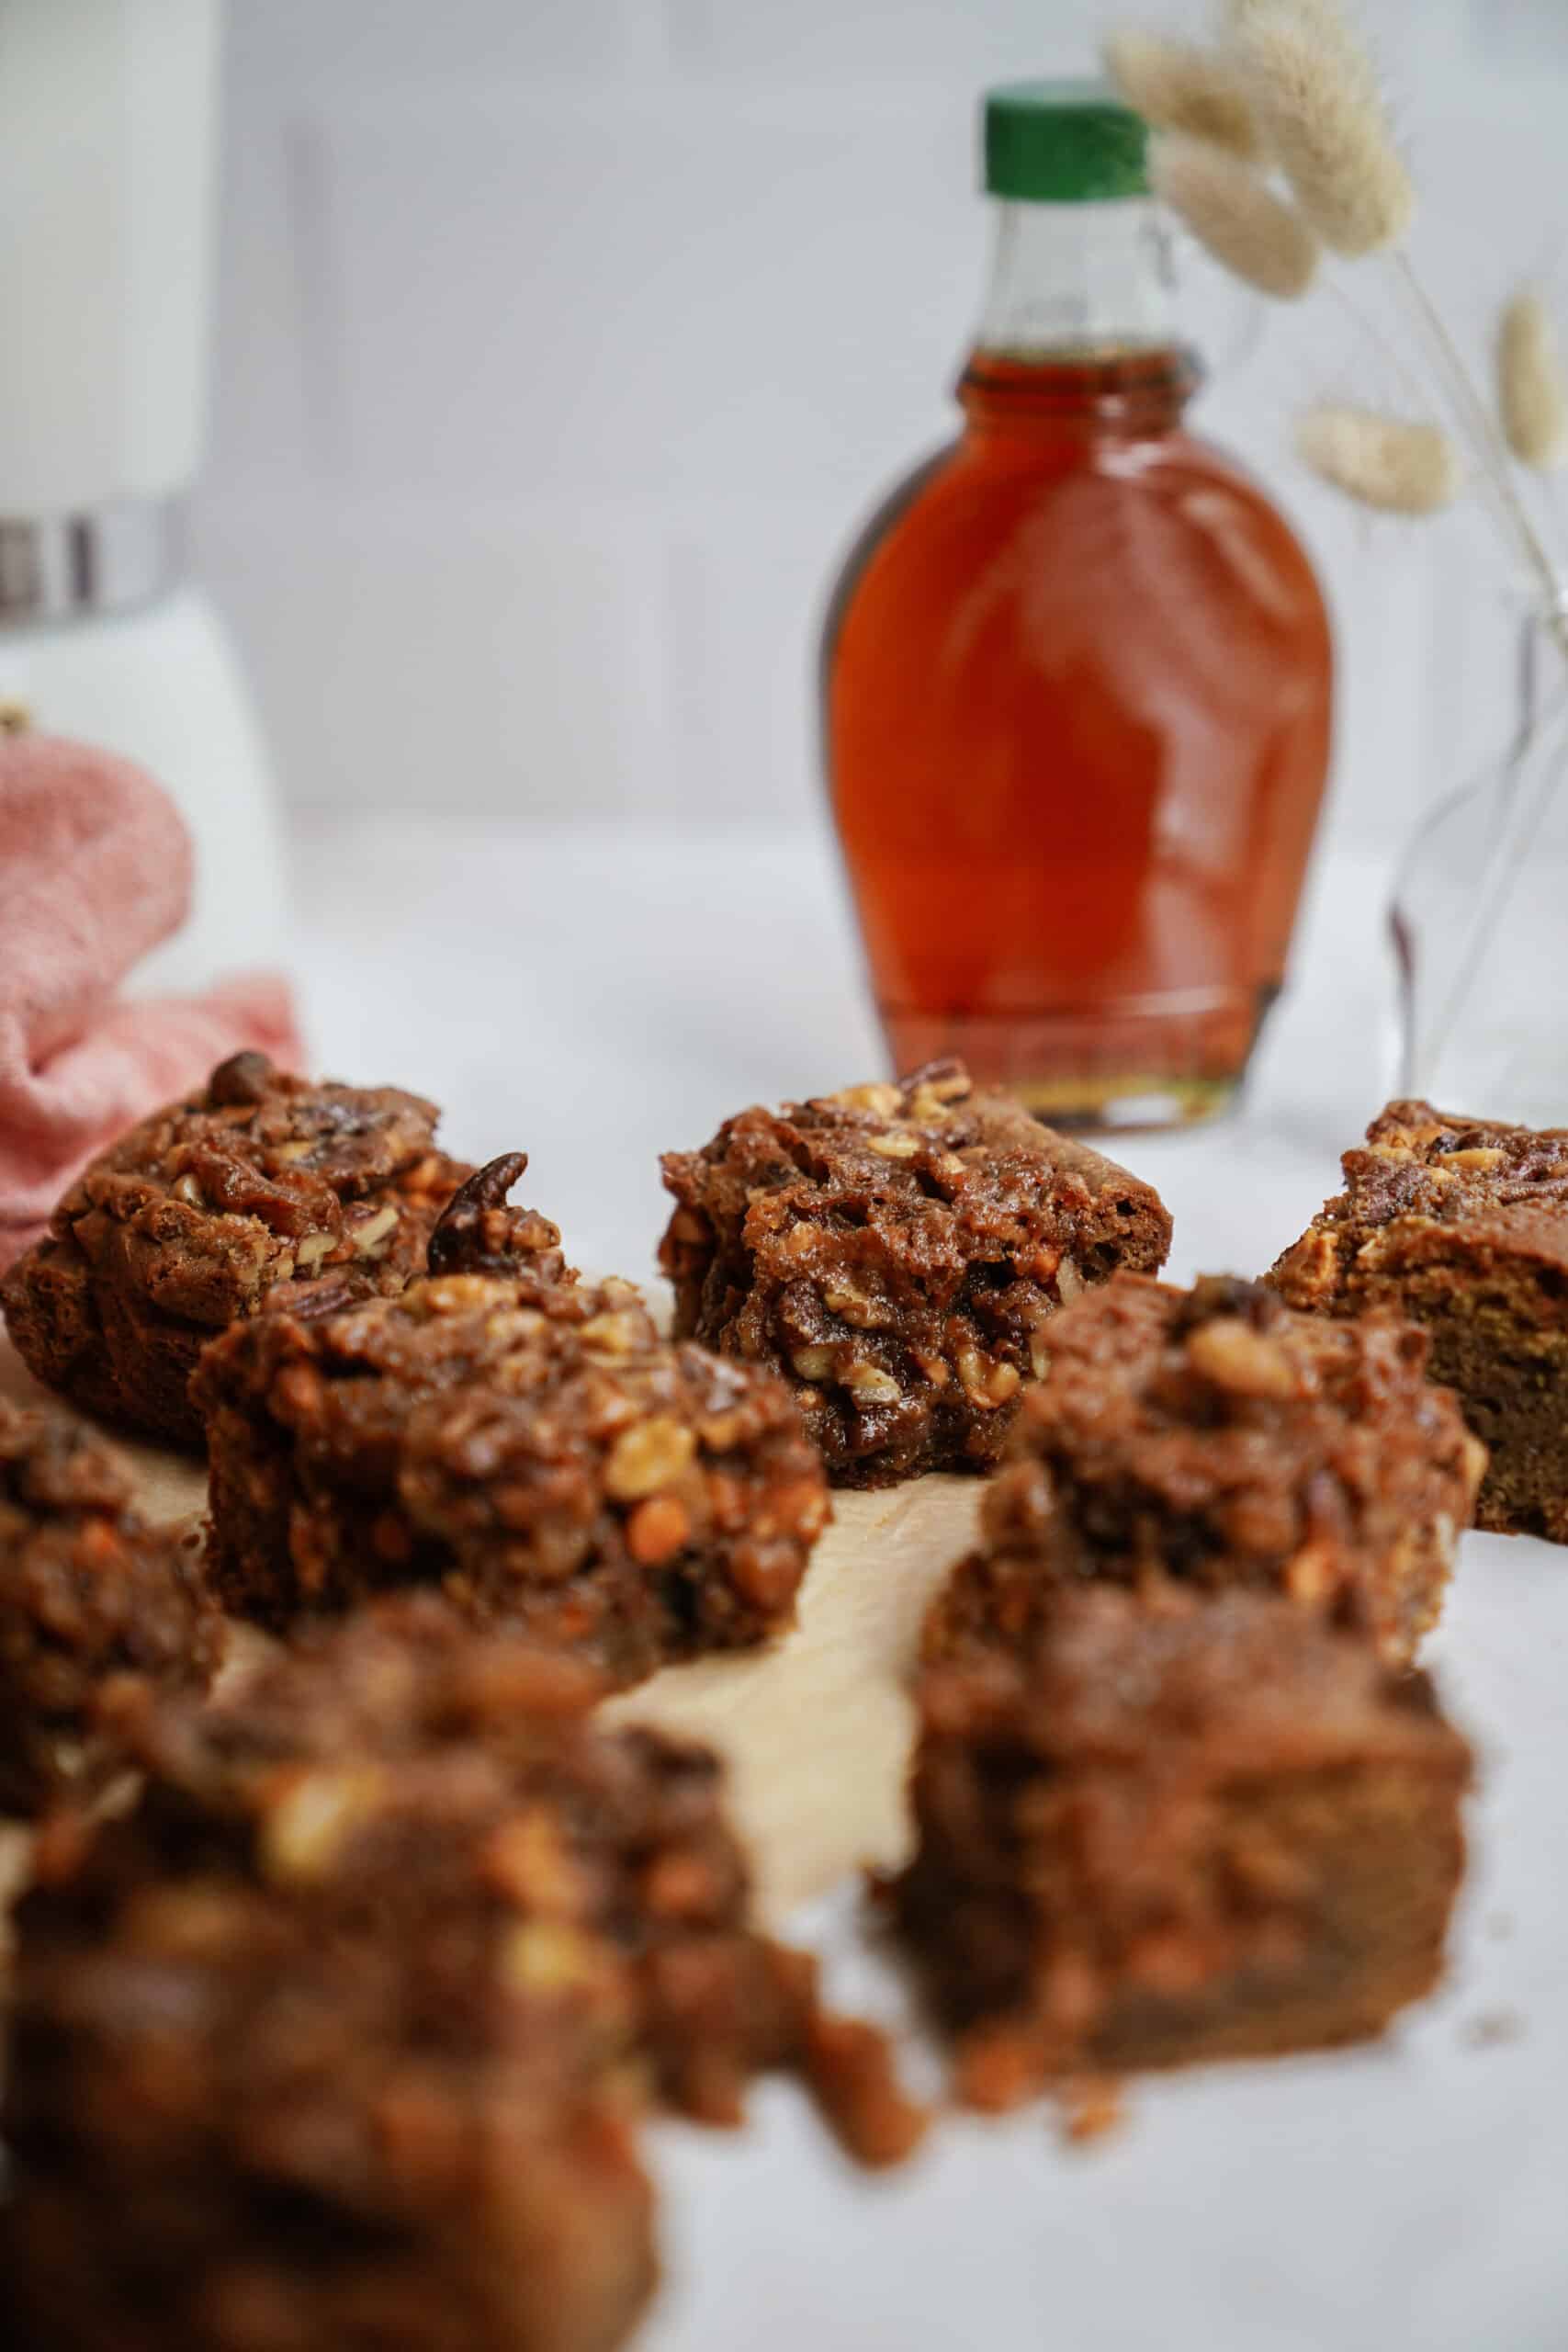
(1401, 1832)
(1173, 1830)
(1462, 1225)
(1509, 1370)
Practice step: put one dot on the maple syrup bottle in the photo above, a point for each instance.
(1077, 678)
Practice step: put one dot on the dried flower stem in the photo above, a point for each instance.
(1417, 389)
(1485, 435)
(1322, 111)
(1531, 786)
(1413, 386)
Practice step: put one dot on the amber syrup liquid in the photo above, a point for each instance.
(1076, 715)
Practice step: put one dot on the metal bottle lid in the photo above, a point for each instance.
(109, 558)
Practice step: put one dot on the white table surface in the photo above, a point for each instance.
(598, 999)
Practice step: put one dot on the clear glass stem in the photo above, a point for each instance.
(1476, 916)
(1528, 786)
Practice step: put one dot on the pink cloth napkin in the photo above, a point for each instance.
(95, 870)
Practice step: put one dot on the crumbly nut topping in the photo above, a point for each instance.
(302, 1162)
(1425, 1163)
(1213, 1436)
(262, 1189)
(533, 1445)
(898, 1248)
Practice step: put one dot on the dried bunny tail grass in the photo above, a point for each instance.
(1177, 85)
(1532, 386)
(1233, 215)
(1325, 122)
(1327, 23)
(1382, 461)
(1325, 18)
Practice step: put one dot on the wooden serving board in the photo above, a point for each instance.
(815, 1729)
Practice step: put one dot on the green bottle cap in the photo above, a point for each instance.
(1063, 142)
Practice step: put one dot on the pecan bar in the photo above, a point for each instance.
(262, 1188)
(898, 1250)
(87, 1592)
(1214, 1437)
(342, 2040)
(1463, 1224)
(1173, 1828)
(530, 1445)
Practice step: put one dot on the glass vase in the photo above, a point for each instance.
(1479, 917)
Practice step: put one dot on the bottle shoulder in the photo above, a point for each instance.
(998, 473)
(1153, 508)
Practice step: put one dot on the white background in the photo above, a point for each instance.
(563, 343)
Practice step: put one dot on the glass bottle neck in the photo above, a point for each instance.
(1081, 304)
(1079, 281)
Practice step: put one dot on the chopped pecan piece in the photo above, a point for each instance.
(477, 1233)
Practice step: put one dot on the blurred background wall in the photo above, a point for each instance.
(564, 343)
